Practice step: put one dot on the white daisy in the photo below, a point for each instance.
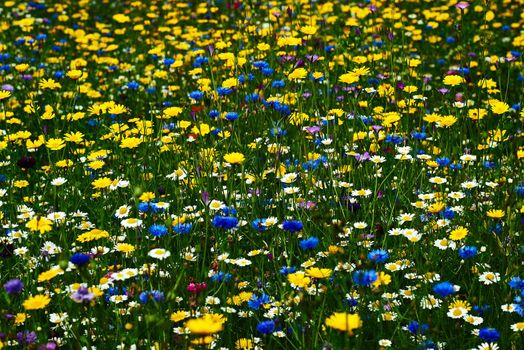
(159, 253)
(489, 277)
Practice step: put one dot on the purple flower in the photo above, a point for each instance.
(7, 87)
(26, 337)
(13, 286)
(82, 294)
(362, 157)
(312, 58)
(313, 129)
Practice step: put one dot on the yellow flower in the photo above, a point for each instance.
(495, 213)
(20, 319)
(343, 321)
(382, 279)
(121, 18)
(50, 274)
(477, 113)
(458, 233)
(234, 158)
(92, 235)
(172, 112)
(499, 107)
(230, 83)
(453, 80)
(117, 109)
(50, 84)
(297, 118)
(75, 74)
(147, 196)
(36, 302)
(207, 324)
(130, 142)
(460, 303)
(203, 341)
(348, 78)
(39, 224)
(21, 183)
(298, 279)
(55, 144)
(179, 315)
(75, 137)
(4, 94)
(102, 182)
(299, 73)
(446, 121)
(244, 344)
(125, 248)
(308, 30)
(436, 207)
(316, 272)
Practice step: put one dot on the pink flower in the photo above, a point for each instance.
(462, 5)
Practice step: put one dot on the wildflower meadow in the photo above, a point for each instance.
(245, 174)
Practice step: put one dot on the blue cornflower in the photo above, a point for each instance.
(309, 243)
(516, 283)
(222, 91)
(489, 164)
(364, 277)
(158, 230)
(80, 259)
(168, 61)
(489, 334)
(260, 64)
(277, 131)
(278, 84)
(468, 252)
(143, 207)
(133, 85)
(418, 135)
(286, 270)
(225, 222)
(267, 71)
(231, 116)
(199, 61)
(256, 302)
(416, 328)
(266, 327)
(252, 97)
(229, 211)
(444, 289)
(214, 113)
(445, 161)
(220, 277)
(447, 213)
(258, 224)
(292, 225)
(156, 295)
(143, 297)
(196, 95)
(182, 228)
(455, 166)
(378, 255)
